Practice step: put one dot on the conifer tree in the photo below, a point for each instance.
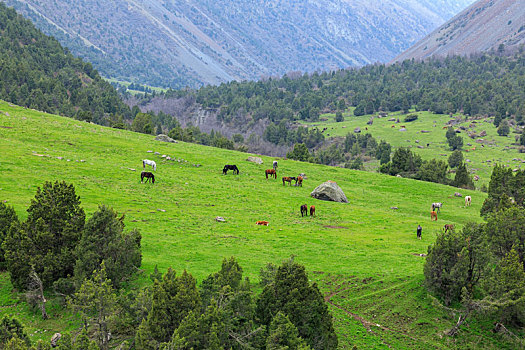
(96, 301)
(284, 335)
(103, 239)
(507, 289)
(463, 178)
(7, 217)
(302, 303)
(173, 298)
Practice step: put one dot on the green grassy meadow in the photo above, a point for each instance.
(364, 255)
(495, 149)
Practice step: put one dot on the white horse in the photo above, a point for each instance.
(274, 165)
(149, 162)
(468, 199)
(437, 206)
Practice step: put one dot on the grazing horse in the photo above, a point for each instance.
(433, 215)
(448, 227)
(230, 167)
(149, 162)
(437, 206)
(299, 181)
(468, 200)
(304, 210)
(263, 223)
(287, 179)
(275, 165)
(418, 231)
(148, 176)
(312, 210)
(271, 172)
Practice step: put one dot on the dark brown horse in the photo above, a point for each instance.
(230, 167)
(312, 210)
(271, 172)
(148, 176)
(304, 210)
(287, 179)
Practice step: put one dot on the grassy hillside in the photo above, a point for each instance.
(364, 255)
(481, 155)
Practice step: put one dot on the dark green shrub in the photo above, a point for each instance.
(410, 118)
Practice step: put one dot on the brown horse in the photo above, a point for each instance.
(433, 215)
(299, 181)
(287, 179)
(271, 172)
(263, 223)
(448, 227)
(304, 210)
(148, 176)
(312, 210)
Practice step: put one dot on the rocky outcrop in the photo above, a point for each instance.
(256, 160)
(329, 191)
(164, 138)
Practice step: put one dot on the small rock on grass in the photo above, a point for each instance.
(162, 210)
(220, 219)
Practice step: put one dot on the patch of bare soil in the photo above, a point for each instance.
(331, 226)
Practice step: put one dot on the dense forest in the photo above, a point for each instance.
(37, 72)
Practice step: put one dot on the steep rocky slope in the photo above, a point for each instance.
(192, 42)
(484, 26)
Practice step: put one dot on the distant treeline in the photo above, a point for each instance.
(37, 72)
(484, 84)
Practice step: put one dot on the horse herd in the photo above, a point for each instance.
(435, 209)
(268, 172)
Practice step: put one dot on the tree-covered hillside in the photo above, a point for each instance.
(487, 84)
(37, 72)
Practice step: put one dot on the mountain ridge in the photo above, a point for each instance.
(190, 43)
(482, 27)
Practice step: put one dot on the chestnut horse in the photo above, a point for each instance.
(263, 223)
(304, 210)
(312, 210)
(299, 181)
(433, 215)
(271, 172)
(287, 179)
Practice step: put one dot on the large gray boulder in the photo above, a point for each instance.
(164, 138)
(329, 191)
(255, 160)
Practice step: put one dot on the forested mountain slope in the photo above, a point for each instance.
(189, 43)
(37, 72)
(483, 85)
(486, 25)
